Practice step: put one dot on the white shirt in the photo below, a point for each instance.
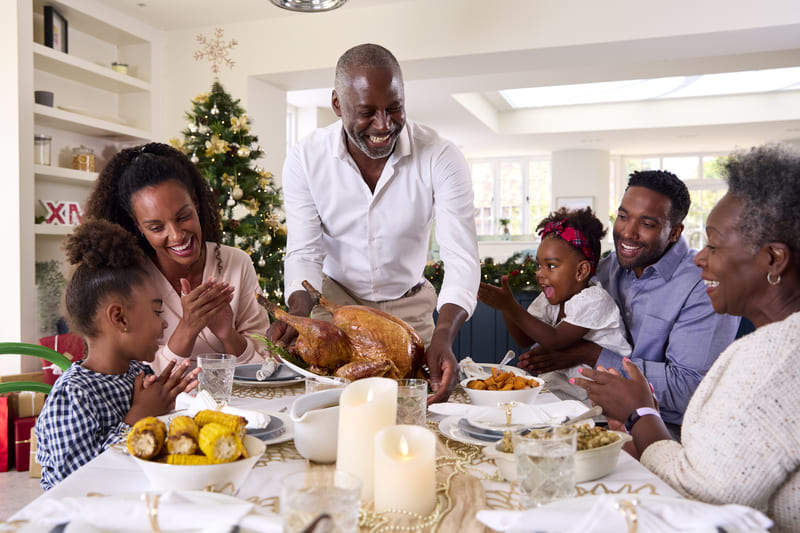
(592, 308)
(376, 244)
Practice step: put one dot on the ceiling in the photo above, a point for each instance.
(458, 95)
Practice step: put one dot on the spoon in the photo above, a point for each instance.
(506, 358)
(591, 413)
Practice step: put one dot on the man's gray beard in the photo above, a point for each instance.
(362, 145)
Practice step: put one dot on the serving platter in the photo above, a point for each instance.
(307, 373)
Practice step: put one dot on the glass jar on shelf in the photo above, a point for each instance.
(41, 149)
(83, 159)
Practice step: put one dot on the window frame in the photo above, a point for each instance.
(495, 206)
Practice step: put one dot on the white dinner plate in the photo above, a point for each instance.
(449, 428)
(246, 375)
(287, 423)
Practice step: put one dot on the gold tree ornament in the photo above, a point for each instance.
(215, 50)
(239, 124)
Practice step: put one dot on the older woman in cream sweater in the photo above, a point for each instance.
(740, 441)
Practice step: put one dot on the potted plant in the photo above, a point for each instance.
(504, 222)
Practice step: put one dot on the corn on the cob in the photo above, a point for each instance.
(182, 436)
(237, 424)
(219, 443)
(181, 459)
(146, 437)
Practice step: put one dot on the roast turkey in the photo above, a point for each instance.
(358, 342)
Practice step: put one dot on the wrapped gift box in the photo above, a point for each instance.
(34, 468)
(5, 434)
(25, 404)
(23, 428)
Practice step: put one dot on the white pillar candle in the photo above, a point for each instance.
(365, 407)
(405, 469)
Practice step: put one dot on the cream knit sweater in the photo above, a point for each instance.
(741, 431)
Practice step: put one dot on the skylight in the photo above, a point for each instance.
(755, 81)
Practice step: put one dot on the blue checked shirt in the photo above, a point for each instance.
(675, 333)
(81, 418)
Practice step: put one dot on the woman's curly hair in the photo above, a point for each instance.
(767, 180)
(109, 262)
(582, 220)
(133, 169)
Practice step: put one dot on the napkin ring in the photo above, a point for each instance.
(152, 510)
(628, 509)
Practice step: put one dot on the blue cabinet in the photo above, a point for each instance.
(485, 337)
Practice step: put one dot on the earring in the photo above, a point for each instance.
(770, 281)
(125, 330)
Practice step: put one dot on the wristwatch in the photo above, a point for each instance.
(639, 413)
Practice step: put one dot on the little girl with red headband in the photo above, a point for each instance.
(570, 307)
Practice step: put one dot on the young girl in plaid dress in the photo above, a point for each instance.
(113, 303)
(570, 307)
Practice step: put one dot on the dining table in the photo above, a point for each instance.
(469, 481)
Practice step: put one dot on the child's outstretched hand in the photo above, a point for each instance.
(499, 298)
(153, 397)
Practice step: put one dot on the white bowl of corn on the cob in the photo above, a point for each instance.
(207, 452)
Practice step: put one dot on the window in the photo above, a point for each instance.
(702, 176)
(514, 188)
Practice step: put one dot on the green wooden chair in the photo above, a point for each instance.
(36, 350)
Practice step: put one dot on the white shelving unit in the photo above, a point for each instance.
(94, 106)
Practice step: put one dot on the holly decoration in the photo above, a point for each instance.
(521, 272)
(218, 140)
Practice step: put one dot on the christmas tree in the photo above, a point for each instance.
(218, 140)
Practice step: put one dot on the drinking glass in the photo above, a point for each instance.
(412, 401)
(216, 375)
(317, 384)
(545, 464)
(306, 495)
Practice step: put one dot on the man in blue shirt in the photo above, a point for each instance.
(675, 333)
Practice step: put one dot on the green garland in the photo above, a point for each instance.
(521, 272)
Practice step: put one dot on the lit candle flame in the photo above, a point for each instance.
(403, 447)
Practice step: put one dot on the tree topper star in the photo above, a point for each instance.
(215, 50)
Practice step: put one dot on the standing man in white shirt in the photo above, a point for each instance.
(361, 196)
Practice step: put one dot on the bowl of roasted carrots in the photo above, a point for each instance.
(208, 452)
(502, 386)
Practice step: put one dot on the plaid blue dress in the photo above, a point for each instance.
(81, 418)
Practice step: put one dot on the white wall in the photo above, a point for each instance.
(16, 150)
(582, 173)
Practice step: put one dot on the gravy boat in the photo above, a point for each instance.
(315, 418)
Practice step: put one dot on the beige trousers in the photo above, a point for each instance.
(416, 309)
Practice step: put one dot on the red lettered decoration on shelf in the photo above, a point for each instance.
(59, 212)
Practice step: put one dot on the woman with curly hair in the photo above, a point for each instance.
(112, 301)
(739, 442)
(209, 289)
(570, 306)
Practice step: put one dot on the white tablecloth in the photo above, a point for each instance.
(114, 472)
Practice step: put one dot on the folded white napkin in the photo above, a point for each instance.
(176, 510)
(654, 515)
(268, 367)
(523, 414)
(471, 369)
(203, 400)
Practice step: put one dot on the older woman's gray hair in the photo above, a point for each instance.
(767, 180)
